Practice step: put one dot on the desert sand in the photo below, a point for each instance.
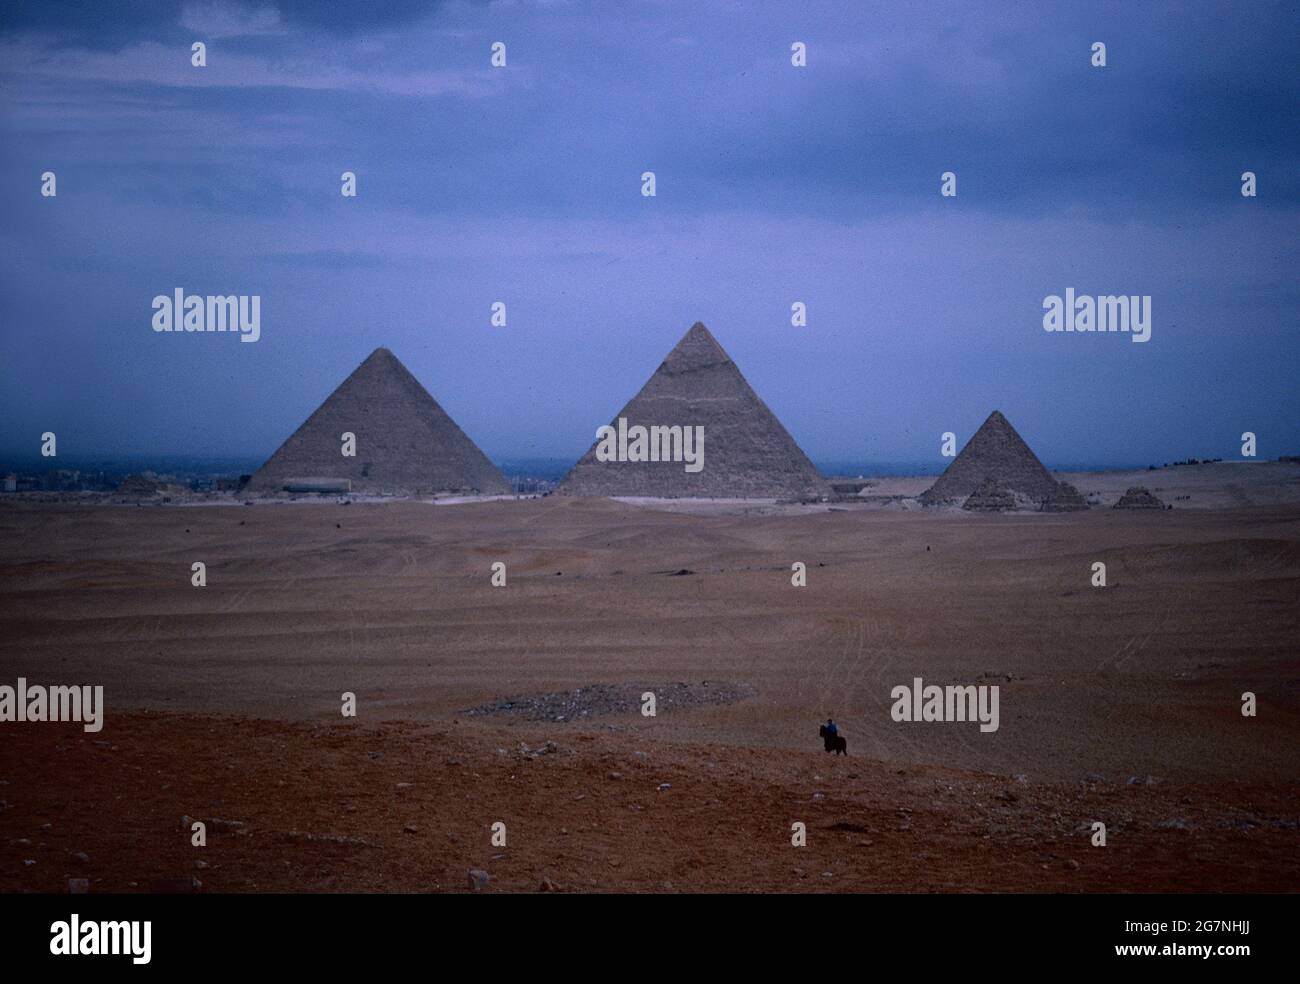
(1119, 704)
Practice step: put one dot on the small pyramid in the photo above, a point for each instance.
(1066, 499)
(405, 442)
(1138, 498)
(996, 452)
(991, 496)
(747, 453)
(138, 486)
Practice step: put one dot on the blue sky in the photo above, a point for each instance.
(775, 184)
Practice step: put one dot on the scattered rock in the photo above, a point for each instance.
(478, 879)
(81, 856)
(601, 698)
(1144, 780)
(78, 886)
(306, 837)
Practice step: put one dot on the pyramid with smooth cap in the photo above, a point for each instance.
(405, 443)
(747, 454)
(997, 455)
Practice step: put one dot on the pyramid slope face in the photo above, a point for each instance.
(747, 452)
(996, 453)
(405, 442)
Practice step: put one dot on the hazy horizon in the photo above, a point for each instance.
(775, 184)
(545, 468)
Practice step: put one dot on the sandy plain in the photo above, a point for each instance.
(1119, 704)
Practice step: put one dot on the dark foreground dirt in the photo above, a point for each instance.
(407, 807)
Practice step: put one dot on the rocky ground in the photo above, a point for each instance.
(406, 807)
(601, 699)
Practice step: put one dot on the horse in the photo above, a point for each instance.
(834, 743)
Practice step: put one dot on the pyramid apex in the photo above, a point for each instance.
(700, 331)
(383, 360)
(696, 349)
(997, 420)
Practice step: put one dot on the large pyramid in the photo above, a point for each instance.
(747, 453)
(998, 455)
(405, 442)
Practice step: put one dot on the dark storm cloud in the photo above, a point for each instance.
(774, 184)
(101, 24)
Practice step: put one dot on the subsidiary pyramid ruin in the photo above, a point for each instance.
(405, 442)
(1066, 499)
(999, 455)
(1138, 497)
(991, 496)
(746, 452)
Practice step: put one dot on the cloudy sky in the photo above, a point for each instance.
(775, 184)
